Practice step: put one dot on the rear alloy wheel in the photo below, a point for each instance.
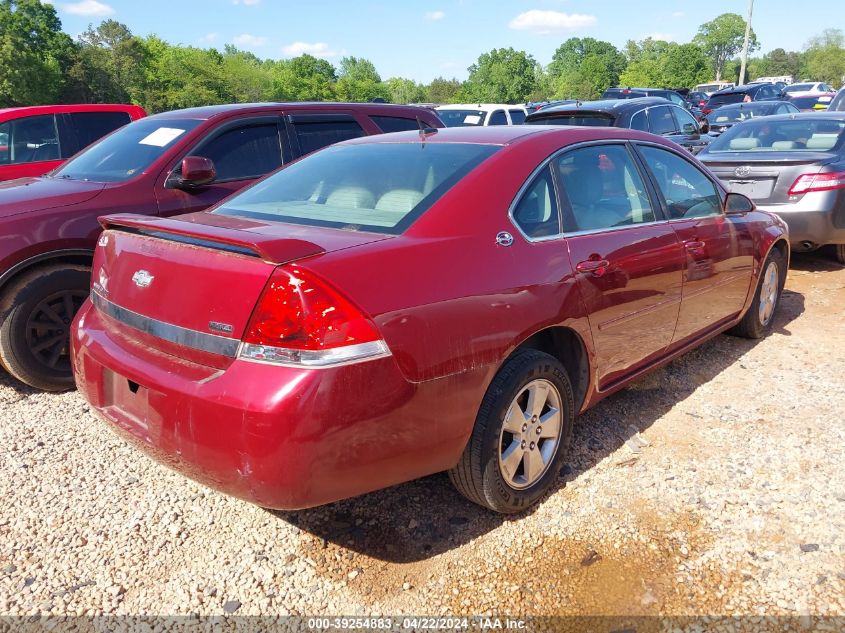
(35, 332)
(758, 319)
(839, 253)
(521, 434)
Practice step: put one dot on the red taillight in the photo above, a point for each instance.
(300, 311)
(817, 182)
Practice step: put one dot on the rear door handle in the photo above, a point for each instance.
(597, 267)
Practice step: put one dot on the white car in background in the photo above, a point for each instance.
(806, 89)
(481, 114)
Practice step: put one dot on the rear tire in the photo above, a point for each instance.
(521, 434)
(37, 311)
(760, 315)
(839, 253)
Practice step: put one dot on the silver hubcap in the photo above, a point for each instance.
(769, 293)
(530, 434)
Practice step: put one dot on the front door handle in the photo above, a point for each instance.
(597, 267)
(694, 245)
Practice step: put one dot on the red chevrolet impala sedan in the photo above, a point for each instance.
(400, 305)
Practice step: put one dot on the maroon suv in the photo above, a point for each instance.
(171, 163)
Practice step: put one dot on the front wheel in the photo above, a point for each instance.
(35, 333)
(521, 434)
(759, 317)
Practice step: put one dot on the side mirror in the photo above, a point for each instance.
(690, 128)
(737, 204)
(196, 172)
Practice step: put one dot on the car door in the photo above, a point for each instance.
(718, 249)
(242, 151)
(29, 146)
(689, 134)
(627, 258)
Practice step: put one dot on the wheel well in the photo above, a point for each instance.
(783, 247)
(565, 345)
(74, 258)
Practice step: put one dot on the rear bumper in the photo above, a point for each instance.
(278, 437)
(809, 228)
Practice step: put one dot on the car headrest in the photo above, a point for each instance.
(744, 143)
(781, 145)
(822, 142)
(351, 197)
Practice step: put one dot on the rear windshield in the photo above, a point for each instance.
(731, 97)
(804, 134)
(377, 187)
(592, 119)
(805, 103)
(623, 94)
(127, 152)
(746, 111)
(799, 87)
(462, 118)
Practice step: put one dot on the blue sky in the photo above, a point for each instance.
(423, 40)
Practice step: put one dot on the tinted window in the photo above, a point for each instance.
(127, 152)
(806, 133)
(686, 119)
(92, 126)
(460, 118)
(314, 136)
(536, 212)
(639, 121)
(593, 119)
(396, 124)
(838, 103)
(517, 117)
(730, 97)
(29, 140)
(674, 98)
(379, 187)
(603, 188)
(661, 121)
(243, 152)
(498, 118)
(685, 189)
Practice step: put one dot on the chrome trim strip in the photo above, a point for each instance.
(167, 331)
(314, 359)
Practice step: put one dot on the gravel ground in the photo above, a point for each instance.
(713, 486)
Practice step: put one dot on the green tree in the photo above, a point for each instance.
(304, 78)
(401, 90)
(442, 90)
(583, 68)
(825, 55)
(503, 75)
(358, 80)
(245, 77)
(34, 53)
(779, 62)
(722, 38)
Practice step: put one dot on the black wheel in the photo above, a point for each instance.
(759, 317)
(35, 333)
(521, 434)
(839, 253)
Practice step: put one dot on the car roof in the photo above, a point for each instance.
(76, 107)
(613, 106)
(501, 135)
(209, 112)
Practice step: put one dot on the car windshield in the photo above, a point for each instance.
(799, 87)
(732, 114)
(592, 119)
(801, 134)
(462, 118)
(730, 97)
(377, 187)
(127, 152)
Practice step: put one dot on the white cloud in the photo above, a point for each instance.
(88, 8)
(208, 38)
(246, 39)
(247, 3)
(317, 49)
(434, 15)
(678, 14)
(545, 22)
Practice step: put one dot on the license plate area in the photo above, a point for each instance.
(754, 189)
(130, 404)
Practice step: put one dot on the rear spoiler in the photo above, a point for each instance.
(269, 248)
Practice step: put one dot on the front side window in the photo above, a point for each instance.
(29, 140)
(686, 121)
(498, 118)
(536, 212)
(604, 189)
(661, 121)
(377, 187)
(244, 152)
(639, 121)
(686, 191)
(319, 134)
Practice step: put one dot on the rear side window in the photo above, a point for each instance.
(244, 152)
(317, 135)
(536, 212)
(517, 116)
(661, 121)
(604, 189)
(687, 192)
(29, 140)
(396, 124)
(498, 118)
(92, 126)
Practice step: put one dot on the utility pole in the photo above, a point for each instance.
(744, 62)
